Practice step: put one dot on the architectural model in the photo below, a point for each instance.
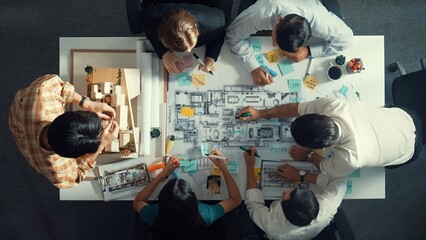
(211, 116)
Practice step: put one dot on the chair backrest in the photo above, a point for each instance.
(407, 91)
(338, 226)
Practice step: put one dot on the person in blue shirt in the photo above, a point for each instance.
(178, 214)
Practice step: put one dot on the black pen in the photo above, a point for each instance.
(201, 61)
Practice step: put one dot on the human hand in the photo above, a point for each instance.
(261, 77)
(299, 153)
(218, 162)
(209, 65)
(172, 63)
(171, 165)
(254, 114)
(103, 110)
(250, 157)
(109, 133)
(288, 173)
(299, 55)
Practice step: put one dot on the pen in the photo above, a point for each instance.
(219, 157)
(201, 61)
(248, 151)
(246, 114)
(170, 144)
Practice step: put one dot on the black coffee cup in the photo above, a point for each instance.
(334, 72)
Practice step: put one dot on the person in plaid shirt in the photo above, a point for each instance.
(62, 146)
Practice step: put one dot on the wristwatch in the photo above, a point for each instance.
(309, 157)
(83, 99)
(302, 175)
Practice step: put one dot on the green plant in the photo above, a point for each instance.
(340, 60)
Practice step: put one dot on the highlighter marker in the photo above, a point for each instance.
(219, 157)
(170, 144)
(272, 72)
(248, 151)
(155, 167)
(246, 114)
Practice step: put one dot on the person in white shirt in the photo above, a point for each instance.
(357, 134)
(300, 214)
(292, 23)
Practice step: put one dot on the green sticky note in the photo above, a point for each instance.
(349, 187)
(256, 44)
(356, 173)
(233, 167)
(286, 67)
(294, 85)
(184, 79)
(190, 165)
(259, 59)
(205, 148)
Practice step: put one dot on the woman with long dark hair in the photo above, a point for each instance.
(178, 214)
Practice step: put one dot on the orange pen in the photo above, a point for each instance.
(156, 166)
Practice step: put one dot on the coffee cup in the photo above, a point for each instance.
(334, 72)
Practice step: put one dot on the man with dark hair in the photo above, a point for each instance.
(359, 135)
(300, 214)
(180, 27)
(63, 146)
(292, 23)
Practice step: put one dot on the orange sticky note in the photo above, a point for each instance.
(310, 82)
(272, 56)
(198, 80)
(280, 52)
(187, 111)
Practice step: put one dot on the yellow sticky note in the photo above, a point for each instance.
(310, 82)
(256, 172)
(187, 111)
(198, 80)
(272, 56)
(280, 52)
(216, 170)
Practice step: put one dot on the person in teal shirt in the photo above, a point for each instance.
(178, 214)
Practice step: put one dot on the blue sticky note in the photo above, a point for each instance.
(344, 90)
(205, 148)
(184, 79)
(233, 167)
(349, 187)
(256, 44)
(294, 85)
(259, 59)
(190, 165)
(356, 173)
(286, 67)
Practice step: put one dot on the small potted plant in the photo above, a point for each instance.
(340, 60)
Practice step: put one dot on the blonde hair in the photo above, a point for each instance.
(178, 30)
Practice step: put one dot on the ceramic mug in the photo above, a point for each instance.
(334, 72)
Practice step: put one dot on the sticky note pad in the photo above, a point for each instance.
(190, 165)
(286, 67)
(349, 187)
(272, 56)
(356, 173)
(187, 61)
(344, 90)
(294, 85)
(256, 44)
(310, 82)
(259, 59)
(184, 79)
(198, 80)
(233, 167)
(187, 111)
(256, 172)
(205, 148)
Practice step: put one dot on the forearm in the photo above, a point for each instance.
(311, 178)
(146, 192)
(251, 179)
(287, 110)
(316, 160)
(233, 191)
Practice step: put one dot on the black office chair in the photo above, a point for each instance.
(339, 226)
(407, 90)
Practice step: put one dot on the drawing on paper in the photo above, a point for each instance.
(210, 116)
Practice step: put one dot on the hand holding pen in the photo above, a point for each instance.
(217, 158)
(248, 114)
(171, 165)
(207, 65)
(261, 77)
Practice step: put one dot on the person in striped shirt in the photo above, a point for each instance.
(61, 145)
